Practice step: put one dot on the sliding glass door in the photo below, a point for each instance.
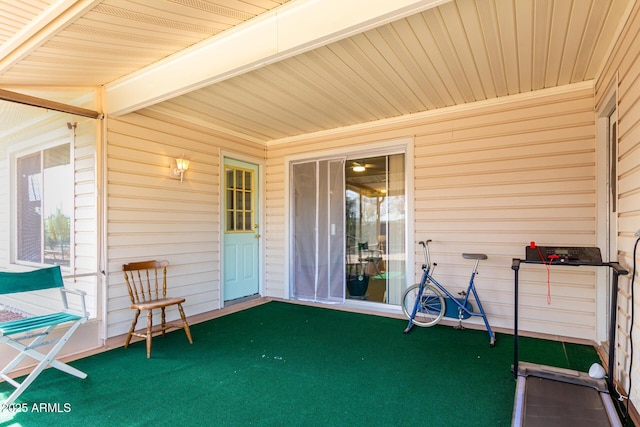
(348, 229)
(375, 228)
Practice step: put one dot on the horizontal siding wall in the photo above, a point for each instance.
(494, 179)
(489, 178)
(86, 221)
(623, 71)
(153, 216)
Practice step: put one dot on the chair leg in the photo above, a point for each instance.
(133, 327)
(185, 324)
(164, 321)
(24, 351)
(44, 359)
(149, 329)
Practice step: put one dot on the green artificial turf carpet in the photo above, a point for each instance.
(281, 364)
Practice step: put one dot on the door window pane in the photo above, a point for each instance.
(239, 195)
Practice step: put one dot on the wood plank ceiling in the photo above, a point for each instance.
(460, 52)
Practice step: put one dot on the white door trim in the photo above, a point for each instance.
(610, 102)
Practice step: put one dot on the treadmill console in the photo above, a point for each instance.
(576, 255)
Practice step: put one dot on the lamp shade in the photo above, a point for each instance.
(182, 164)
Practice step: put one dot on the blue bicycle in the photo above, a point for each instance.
(427, 302)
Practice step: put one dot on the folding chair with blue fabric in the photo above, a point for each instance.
(36, 330)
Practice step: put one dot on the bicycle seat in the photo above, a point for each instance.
(474, 256)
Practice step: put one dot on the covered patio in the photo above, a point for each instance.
(516, 121)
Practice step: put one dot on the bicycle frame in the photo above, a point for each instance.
(471, 289)
(462, 305)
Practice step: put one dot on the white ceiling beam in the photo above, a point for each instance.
(294, 28)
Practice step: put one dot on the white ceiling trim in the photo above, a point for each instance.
(292, 29)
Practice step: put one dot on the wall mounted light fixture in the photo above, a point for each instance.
(182, 165)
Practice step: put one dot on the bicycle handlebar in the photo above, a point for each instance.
(425, 250)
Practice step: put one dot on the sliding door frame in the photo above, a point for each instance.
(383, 148)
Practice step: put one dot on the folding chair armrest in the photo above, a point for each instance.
(74, 291)
(82, 294)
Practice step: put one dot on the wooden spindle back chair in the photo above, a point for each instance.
(147, 286)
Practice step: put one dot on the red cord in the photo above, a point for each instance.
(548, 266)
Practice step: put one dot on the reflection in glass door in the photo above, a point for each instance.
(375, 228)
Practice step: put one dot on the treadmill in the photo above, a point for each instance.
(549, 396)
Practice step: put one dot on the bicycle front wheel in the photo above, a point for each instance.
(431, 305)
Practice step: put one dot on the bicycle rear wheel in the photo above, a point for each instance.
(431, 305)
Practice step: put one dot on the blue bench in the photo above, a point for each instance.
(36, 330)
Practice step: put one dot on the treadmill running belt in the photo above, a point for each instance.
(554, 403)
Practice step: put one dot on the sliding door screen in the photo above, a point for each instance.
(317, 241)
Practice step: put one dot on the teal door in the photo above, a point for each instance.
(241, 230)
